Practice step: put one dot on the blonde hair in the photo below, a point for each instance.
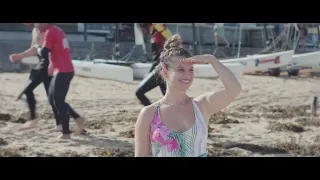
(172, 48)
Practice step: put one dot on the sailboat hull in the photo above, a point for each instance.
(263, 62)
(308, 60)
(102, 71)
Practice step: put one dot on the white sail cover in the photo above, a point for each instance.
(139, 36)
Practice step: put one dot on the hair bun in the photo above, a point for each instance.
(174, 42)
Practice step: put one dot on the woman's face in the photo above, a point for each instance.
(180, 75)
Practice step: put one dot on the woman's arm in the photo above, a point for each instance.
(142, 132)
(212, 102)
(27, 53)
(36, 38)
(32, 50)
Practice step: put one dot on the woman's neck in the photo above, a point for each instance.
(175, 96)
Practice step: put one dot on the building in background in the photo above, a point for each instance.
(107, 30)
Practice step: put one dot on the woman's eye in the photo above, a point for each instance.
(180, 70)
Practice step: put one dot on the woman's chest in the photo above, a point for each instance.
(178, 120)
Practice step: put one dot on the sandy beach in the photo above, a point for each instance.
(271, 117)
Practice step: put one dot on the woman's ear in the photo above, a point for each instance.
(164, 72)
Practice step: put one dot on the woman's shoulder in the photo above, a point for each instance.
(146, 114)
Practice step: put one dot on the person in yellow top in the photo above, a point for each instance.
(162, 28)
(160, 34)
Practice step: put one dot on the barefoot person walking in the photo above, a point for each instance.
(218, 32)
(38, 75)
(177, 125)
(61, 68)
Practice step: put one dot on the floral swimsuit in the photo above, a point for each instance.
(190, 143)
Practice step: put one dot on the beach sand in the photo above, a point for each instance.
(271, 117)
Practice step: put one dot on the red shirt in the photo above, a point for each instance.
(60, 56)
(158, 38)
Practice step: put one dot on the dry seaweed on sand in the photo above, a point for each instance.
(127, 134)
(70, 154)
(96, 124)
(217, 152)
(309, 121)
(280, 112)
(5, 117)
(254, 148)
(22, 118)
(302, 150)
(3, 142)
(222, 118)
(114, 152)
(246, 108)
(10, 152)
(277, 126)
(46, 115)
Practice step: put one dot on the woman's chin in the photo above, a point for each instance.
(183, 87)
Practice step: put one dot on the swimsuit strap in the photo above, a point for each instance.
(157, 112)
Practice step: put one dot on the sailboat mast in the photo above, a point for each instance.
(116, 40)
(318, 30)
(85, 34)
(239, 41)
(194, 39)
(266, 33)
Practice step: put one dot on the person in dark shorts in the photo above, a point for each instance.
(153, 79)
(37, 76)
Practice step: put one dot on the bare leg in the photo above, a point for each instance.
(216, 40)
(226, 41)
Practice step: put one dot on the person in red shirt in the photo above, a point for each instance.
(153, 79)
(55, 48)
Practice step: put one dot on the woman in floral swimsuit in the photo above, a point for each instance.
(177, 125)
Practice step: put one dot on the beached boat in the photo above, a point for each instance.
(100, 70)
(94, 69)
(263, 62)
(249, 64)
(140, 70)
(307, 60)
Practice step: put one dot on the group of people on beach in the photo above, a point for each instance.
(174, 126)
(55, 70)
